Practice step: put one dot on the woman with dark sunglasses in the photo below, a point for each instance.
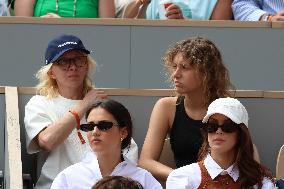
(53, 116)
(226, 157)
(109, 131)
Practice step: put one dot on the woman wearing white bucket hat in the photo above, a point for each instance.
(226, 156)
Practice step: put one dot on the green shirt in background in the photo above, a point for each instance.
(84, 8)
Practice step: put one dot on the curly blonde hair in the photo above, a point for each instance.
(48, 86)
(205, 57)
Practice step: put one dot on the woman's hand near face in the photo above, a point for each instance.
(90, 98)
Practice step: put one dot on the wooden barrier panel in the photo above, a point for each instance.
(2, 138)
(13, 169)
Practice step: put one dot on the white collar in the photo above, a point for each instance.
(91, 161)
(214, 169)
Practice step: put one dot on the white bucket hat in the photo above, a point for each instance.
(229, 107)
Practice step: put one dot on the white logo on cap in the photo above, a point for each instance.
(67, 43)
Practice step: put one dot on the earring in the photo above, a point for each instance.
(121, 139)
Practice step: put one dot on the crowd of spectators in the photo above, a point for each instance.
(51, 134)
(243, 10)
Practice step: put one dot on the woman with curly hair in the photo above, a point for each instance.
(199, 76)
(226, 157)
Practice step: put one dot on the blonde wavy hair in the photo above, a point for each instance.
(205, 57)
(48, 86)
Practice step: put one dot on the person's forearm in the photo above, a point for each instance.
(24, 7)
(157, 169)
(132, 10)
(106, 9)
(222, 10)
(246, 10)
(56, 133)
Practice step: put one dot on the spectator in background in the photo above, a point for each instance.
(109, 131)
(199, 75)
(117, 182)
(226, 157)
(120, 6)
(280, 183)
(65, 8)
(53, 116)
(258, 10)
(182, 9)
(136, 9)
(3, 8)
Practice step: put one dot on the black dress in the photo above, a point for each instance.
(185, 136)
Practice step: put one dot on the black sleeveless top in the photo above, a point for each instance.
(185, 136)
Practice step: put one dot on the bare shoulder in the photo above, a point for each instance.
(167, 102)
(166, 106)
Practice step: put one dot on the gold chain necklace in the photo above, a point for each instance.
(74, 6)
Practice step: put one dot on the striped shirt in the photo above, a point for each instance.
(252, 10)
(3, 8)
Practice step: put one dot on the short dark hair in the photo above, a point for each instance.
(117, 182)
(120, 113)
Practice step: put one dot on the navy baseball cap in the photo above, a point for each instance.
(62, 44)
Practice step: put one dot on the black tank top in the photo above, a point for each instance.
(185, 136)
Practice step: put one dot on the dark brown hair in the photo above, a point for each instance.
(251, 172)
(205, 57)
(117, 182)
(120, 113)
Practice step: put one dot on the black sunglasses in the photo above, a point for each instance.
(101, 125)
(78, 61)
(226, 127)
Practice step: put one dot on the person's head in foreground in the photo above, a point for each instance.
(228, 141)
(117, 182)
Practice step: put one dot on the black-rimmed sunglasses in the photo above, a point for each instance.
(101, 125)
(65, 63)
(226, 127)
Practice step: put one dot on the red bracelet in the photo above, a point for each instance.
(75, 114)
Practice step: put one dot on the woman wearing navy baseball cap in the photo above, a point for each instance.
(53, 116)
